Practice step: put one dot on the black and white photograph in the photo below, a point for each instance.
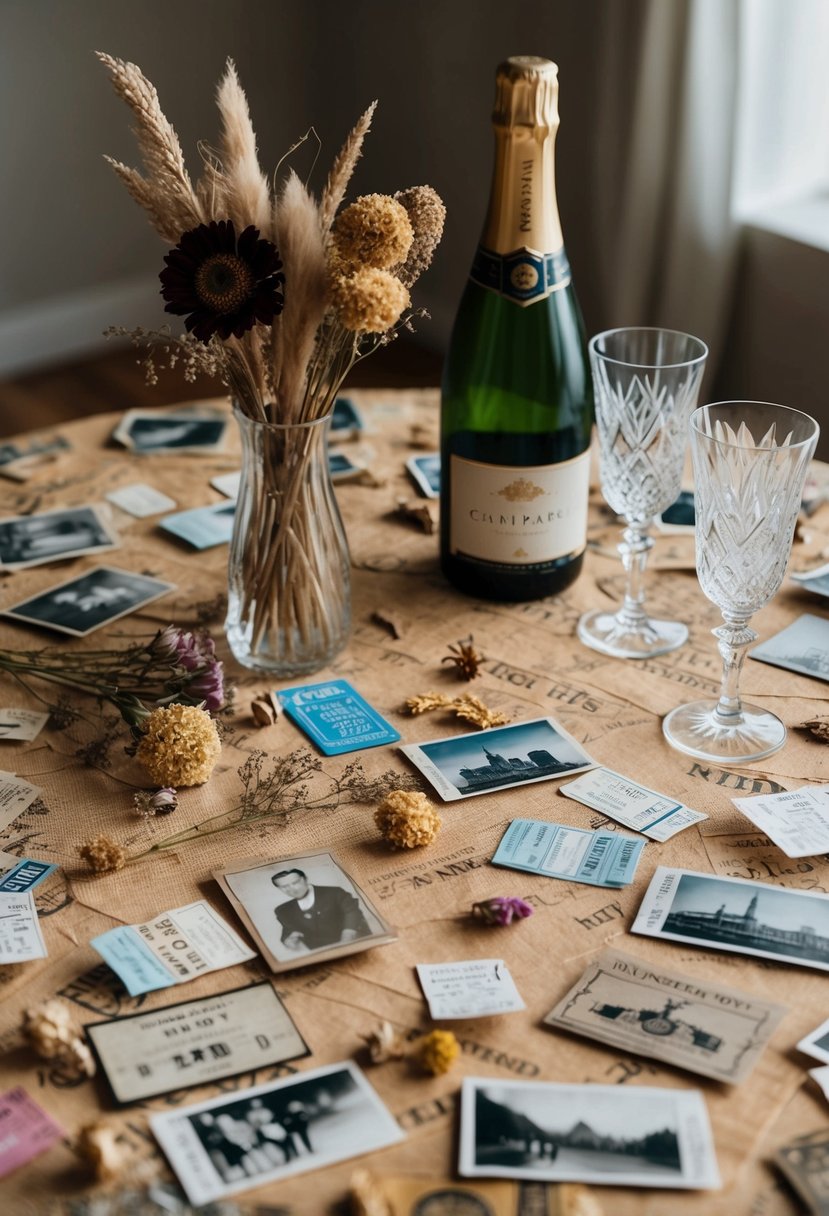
(601, 1134)
(816, 580)
(680, 517)
(802, 646)
(816, 1044)
(30, 540)
(496, 759)
(146, 431)
(425, 472)
(273, 1131)
(300, 908)
(737, 915)
(342, 467)
(83, 604)
(346, 420)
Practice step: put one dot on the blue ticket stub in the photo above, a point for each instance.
(336, 718)
(601, 859)
(26, 875)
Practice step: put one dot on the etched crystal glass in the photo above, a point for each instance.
(750, 464)
(646, 383)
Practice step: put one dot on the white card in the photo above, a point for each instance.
(141, 500)
(15, 796)
(20, 936)
(227, 483)
(635, 806)
(21, 724)
(796, 820)
(816, 1044)
(477, 988)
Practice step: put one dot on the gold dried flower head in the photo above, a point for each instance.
(407, 819)
(374, 231)
(368, 301)
(427, 215)
(180, 745)
(102, 855)
(437, 1051)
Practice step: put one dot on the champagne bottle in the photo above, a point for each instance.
(516, 401)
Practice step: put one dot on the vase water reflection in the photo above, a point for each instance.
(289, 601)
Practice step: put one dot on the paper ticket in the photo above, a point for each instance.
(796, 820)
(646, 811)
(476, 988)
(20, 935)
(601, 859)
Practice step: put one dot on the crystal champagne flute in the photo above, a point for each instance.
(646, 383)
(750, 464)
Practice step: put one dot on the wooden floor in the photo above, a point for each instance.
(114, 381)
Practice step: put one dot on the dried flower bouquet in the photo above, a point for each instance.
(281, 294)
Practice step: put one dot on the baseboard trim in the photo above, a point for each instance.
(69, 327)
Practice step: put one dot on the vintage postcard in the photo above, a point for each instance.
(141, 500)
(607, 1135)
(335, 717)
(425, 473)
(346, 420)
(816, 1044)
(20, 937)
(633, 805)
(738, 916)
(172, 948)
(600, 859)
(302, 909)
(196, 1042)
(273, 1131)
(50, 536)
(89, 601)
(816, 580)
(804, 1162)
(638, 1006)
(21, 725)
(477, 988)
(797, 820)
(26, 1130)
(148, 431)
(500, 758)
(202, 527)
(802, 646)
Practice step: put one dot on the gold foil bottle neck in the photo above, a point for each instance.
(526, 93)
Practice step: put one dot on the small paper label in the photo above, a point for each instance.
(797, 820)
(478, 988)
(20, 936)
(15, 797)
(21, 724)
(633, 805)
(600, 859)
(519, 516)
(141, 500)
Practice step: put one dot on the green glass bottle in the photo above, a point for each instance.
(517, 402)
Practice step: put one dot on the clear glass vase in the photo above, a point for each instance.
(289, 593)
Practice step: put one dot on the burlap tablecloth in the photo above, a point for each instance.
(534, 666)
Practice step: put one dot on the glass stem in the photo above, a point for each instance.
(733, 639)
(635, 547)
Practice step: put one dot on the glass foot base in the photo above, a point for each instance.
(695, 730)
(604, 631)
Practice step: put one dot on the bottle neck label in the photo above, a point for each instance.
(524, 275)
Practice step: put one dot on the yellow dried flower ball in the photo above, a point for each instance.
(407, 819)
(437, 1051)
(102, 855)
(180, 745)
(374, 231)
(368, 301)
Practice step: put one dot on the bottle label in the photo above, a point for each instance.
(525, 516)
(524, 275)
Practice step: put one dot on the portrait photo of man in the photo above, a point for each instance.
(301, 906)
(316, 916)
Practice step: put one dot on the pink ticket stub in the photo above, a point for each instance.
(25, 1130)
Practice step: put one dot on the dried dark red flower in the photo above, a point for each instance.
(221, 284)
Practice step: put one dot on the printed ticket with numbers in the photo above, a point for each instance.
(639, 1006)
(20, 937)
(601, 859)
(195, 1042)
(635, 806)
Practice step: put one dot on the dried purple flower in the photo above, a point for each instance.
(502, 909)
